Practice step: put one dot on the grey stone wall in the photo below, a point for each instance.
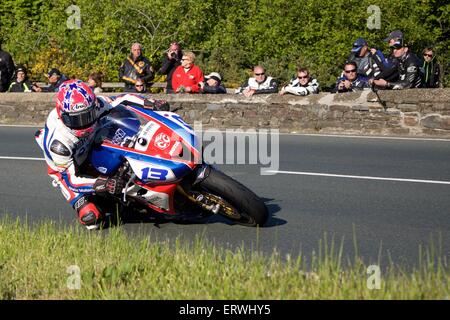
(417, 112)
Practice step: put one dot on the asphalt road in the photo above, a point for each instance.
(329, 186)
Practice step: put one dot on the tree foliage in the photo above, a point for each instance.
(228, 36)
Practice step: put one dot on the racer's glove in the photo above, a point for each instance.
(112, 185)
(156, 105)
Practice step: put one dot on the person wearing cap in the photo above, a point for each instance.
(22, 84)
(6, 69)
(370, 61)
(393, 37)
(390, 73)
(301, 85)
(410, 75)
(213, 84)
(171, 60)
(55, 78)
(258, 84)
(135, 66)
(188, 77)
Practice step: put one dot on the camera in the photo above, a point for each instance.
(173, 55)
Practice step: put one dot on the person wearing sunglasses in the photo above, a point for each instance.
(188, 77)
(431, 69)
(351, 81)
(301, 85)
(139, 86)
(410, 75)
(258, 84)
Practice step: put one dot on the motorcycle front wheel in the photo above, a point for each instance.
(233, 200)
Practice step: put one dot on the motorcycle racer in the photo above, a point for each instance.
(66, 141)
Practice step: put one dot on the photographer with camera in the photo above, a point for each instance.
(172, 59)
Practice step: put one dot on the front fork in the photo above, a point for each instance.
(201, 173)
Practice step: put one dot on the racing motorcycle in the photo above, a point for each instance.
(158, 156)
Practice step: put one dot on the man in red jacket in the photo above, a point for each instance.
(187, 78)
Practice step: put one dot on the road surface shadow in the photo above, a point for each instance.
(138, 217)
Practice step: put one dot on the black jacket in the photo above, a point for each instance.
(6, 70)
(130, 70)
(168, 67)
(431, 74)
(410, 74)
(217, 89)
(25, 86)
(54, 87)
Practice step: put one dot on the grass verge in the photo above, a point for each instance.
(47, 261)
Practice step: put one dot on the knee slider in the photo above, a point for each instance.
(88, 212)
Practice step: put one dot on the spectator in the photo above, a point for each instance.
(172, 59)
(410, 75)
(370, 62)
(22, 84)
(301, 85)
(213, 84)
(187, 77)
(258, 84)
(351, 81)
(55, 78)
(6, 69)
(431, 69)
(391, 72)
(139, 86)
(95, 81)
(135, 66)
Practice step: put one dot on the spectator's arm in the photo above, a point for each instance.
(299, 91)
(360, 84)
(149, 74)
(242, 87)
(313, 86)
(166, 65)
(216, 89)
(175, 83)
(10, 67)
(437, 76)
(273, 88)
(121, 71)
(412, 72)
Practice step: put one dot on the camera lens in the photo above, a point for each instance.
(173, 54)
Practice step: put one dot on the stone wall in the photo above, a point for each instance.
(417, 112)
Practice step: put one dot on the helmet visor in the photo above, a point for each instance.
(79, 120)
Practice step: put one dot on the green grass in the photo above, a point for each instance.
(34, 264)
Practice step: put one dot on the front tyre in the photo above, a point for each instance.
(236, 202)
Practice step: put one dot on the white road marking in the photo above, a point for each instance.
(21, 158)
(21, 125)
(256, 131)
(358, 177)
(287, 134)
(298, 173)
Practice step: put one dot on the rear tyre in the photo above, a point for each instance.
(237, 202)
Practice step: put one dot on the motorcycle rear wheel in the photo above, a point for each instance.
(237, 202)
